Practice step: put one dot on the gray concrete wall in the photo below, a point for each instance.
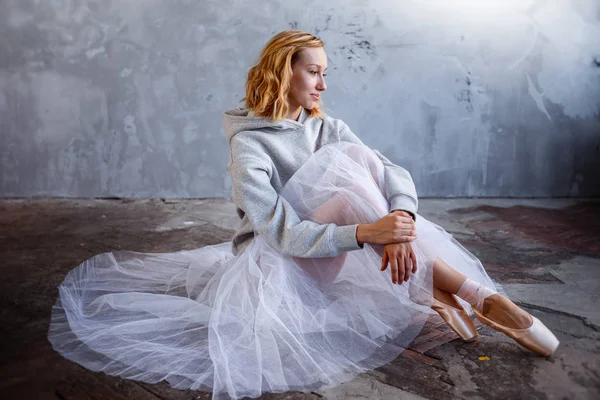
(124, 98)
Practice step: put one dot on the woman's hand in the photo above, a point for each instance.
(400, 256)
(393, 228)
(403, 213)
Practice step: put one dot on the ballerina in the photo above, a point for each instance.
(331, 272)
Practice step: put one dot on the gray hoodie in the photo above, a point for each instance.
(264, 154)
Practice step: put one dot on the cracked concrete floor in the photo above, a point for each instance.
(545, 253)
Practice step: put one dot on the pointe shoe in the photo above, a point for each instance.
(446, 305)
(536, 337)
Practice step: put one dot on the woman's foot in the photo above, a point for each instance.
(501, 314)
(500, 309)
(446, 305)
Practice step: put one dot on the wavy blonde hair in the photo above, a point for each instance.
(268, 81)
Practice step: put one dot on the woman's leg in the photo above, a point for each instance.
(446, 278)
(491, 308)
(494, 305)
(324, 270)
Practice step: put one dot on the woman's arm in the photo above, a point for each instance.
(274, 218)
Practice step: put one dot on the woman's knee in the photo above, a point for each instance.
(331, 211)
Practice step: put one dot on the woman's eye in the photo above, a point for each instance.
(313, 72)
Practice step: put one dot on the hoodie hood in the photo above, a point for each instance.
(241, 119)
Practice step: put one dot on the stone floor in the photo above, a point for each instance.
(545, 253)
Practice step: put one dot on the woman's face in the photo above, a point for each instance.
(308, 79)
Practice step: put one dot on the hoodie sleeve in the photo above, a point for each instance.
(400, 188)
(274, 218)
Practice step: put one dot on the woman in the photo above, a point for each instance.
(294, 301)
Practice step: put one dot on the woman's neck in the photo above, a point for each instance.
(294, 115)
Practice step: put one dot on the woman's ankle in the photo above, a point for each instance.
(474, 293)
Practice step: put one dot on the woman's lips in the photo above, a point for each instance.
(315, 97)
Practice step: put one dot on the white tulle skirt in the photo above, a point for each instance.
(260, 321)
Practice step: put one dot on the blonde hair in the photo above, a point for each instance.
(268, 81)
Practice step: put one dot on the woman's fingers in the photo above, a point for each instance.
(404, 227)
(384, 261)
(402, 262)
(407, 234)
(408, 230)
(407, 220)
(401, 269)
(404, 239)
(394, 266)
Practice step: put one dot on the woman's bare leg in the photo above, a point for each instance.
(446, 278)
(495, 307)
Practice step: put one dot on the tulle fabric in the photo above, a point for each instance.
(260, 321)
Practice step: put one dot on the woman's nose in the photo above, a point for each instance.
(321, 85)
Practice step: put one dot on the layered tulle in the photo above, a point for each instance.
(260, 321)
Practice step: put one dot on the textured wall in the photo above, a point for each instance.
(124, 98)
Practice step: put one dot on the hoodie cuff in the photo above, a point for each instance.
(344, 238)
(404, 203)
